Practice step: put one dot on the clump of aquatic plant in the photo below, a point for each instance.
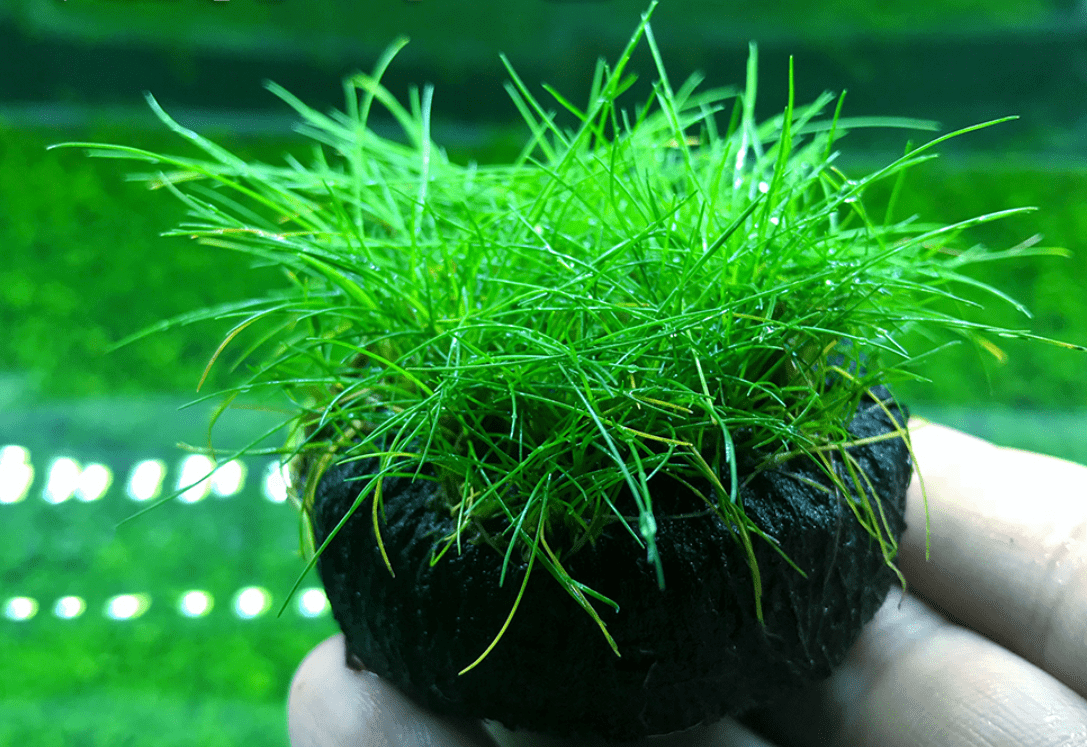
(669, 287)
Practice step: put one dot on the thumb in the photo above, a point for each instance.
(332, 706)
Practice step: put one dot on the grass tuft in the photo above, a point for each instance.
(667, 289)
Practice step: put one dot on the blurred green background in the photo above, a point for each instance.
(81, 267)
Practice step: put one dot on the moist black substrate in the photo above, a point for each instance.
(689, 654)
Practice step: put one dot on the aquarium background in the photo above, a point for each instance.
(165, 629)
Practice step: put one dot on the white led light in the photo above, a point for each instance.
(63, 480)
(16, 473)
(195, 603)
(195, 470)
(20, 608)
(276, 482)
(94, 481)
(228, 479)
(127, 606)
(67, 608)
(145, 480)
(251, 602)
(15, 454)
(312, 603)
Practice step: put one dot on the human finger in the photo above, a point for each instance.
(916, 679)
(1008, 534)
(332, 706)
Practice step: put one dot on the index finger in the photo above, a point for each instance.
(1008, 533)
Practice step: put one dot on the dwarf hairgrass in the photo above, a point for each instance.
(668, 289)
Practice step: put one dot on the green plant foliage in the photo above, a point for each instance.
(1026, 376)
(669, 288)
(152, 681)
(49, 199)
(83, 267)
(124, 716)
(161, 678)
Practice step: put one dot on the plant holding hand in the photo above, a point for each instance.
(986, 649)
(599, 442)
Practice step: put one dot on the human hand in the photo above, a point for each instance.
(988, 648)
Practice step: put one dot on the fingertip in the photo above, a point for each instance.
(997, 540)
(323, 701)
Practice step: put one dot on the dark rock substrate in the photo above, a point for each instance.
(690, 654)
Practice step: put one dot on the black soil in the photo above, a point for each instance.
(689, 654)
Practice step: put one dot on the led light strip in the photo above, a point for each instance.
(66, 478)
(248, 603)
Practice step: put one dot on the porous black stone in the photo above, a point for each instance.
(690, 654)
